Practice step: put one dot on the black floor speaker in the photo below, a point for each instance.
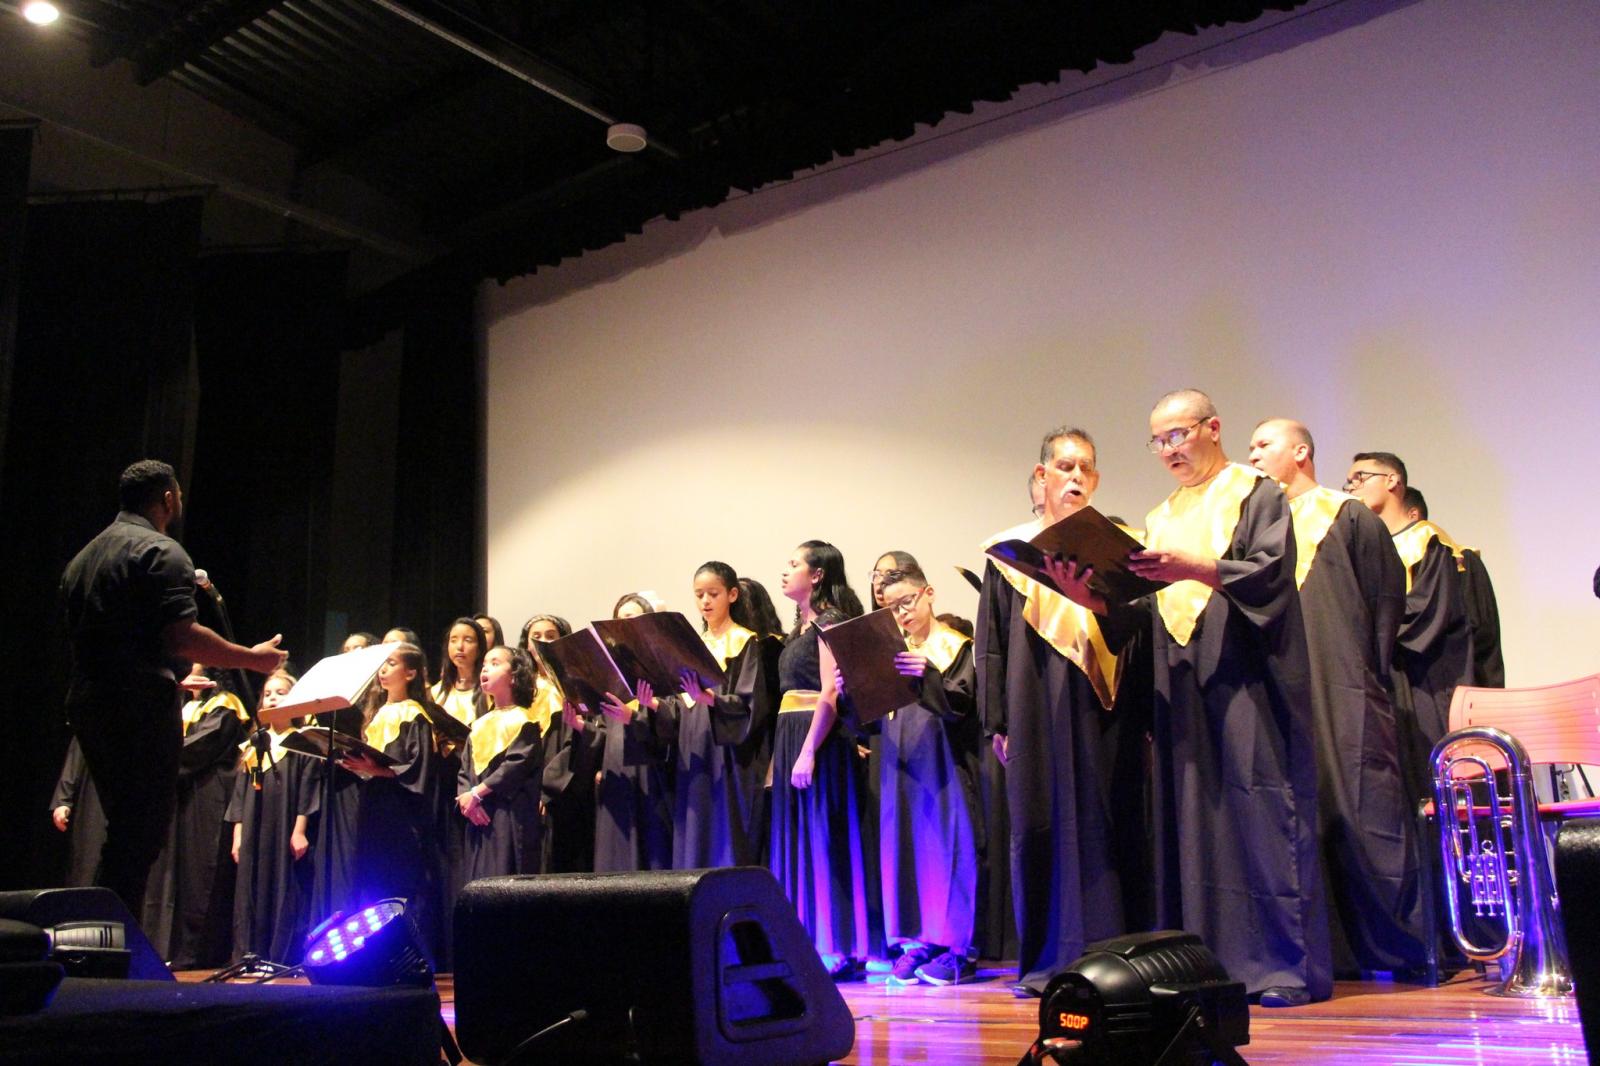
(1578, 886)
(688, 966)
(49, 908)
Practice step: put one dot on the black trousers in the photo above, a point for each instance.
(131, 732)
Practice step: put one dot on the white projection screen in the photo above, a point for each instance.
(1380, 218)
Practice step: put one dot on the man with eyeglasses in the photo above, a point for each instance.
(1235, 776)
(1049, 681)
(1435, 652)
(1352, 594)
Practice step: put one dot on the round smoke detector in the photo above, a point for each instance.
(626, 137)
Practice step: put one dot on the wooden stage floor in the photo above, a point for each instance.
(1366, 1022)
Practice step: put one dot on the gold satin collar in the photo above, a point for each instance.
(1412, 544)
(494, 732)
(1313, 512)
(941, 647)
(458, 704)
(1070, 629)
(276, 750)
(194, 710)
(729, 645)
(385, 725)
(1199, 519)
(546, 704)
(799, 699)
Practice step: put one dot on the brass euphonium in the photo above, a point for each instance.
(1496, 856)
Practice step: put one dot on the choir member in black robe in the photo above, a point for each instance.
(498, 790)
(928, 815)
(1435, 636)
(273, 802)
(1352, 595)
(1483, 610)
(1048, 675)
(633, 798)
(458, 694)
(817, 851)
(571, 761)
(75, 810)
(397, 842)
(189, 897)
(724, 736)
(1236, 777)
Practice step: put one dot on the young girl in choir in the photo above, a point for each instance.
(891, 560)
(633, 798)
(571, 760)
(928, 794)
(461, 662)
(724, 735)
(817, 854)
(501, 771)
(189, 898)
(758, 605)
(397, 842)
(489, 626)
(273, 802)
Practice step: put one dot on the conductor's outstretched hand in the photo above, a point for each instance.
(268, 656)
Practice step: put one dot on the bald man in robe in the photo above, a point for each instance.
(1352, 596)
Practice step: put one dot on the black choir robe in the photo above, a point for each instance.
(1236, 773)
(333, 845)
(571, 761)
(272, 907)
(1435, 651)
(1048, 674)
(1483, 617)
(506, 756)
(398, 851)
(189, 898)
(724, 754)
(465, 706)
(929, 819)
(1352, 596)
(86, 821)
(633, 800)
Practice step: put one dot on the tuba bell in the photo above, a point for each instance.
(1497, 863)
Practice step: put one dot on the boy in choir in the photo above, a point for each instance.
(189, 897)
(1352, 594)
(571, 759)
(724, 736)
(817, 788)
(273, 802)
(633, 792)
(397, 840)
(1236, 775)
(928, 795)
(1049, 679)
(498, 790)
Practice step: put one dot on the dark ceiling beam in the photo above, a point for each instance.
(182, 38)
(448, 24)
(331, 144)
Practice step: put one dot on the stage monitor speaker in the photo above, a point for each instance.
(50, 908)
(689, 966)
(1578, 886)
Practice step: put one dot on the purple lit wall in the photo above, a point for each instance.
(1381, 218)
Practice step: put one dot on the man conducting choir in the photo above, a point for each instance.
(1352, 594)
(1048, 675)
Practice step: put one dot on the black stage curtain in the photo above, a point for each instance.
(101, 376)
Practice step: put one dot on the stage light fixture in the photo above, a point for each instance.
(1146, 999)
(40, 12)
(626, 137)
(376, 946)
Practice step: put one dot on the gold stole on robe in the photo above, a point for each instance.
(195, 709)
(1199, 519)
(458, 704)
(1068, 628)
(1313, 513)
(546, 703)
(494, 732)
(1412, 544)
(384, 728)
(941, 647)
(729, 645)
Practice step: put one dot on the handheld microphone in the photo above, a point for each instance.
(202, 580)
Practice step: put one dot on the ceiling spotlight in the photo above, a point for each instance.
(40, 12)
(626, 137)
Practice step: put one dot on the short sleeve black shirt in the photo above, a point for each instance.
(120, 592)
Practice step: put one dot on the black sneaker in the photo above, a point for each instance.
(1285, 997)
(905, 967)
(845, 970)
(948, 969)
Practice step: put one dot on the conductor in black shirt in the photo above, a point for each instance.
(130, 609)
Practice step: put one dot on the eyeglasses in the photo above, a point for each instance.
(904, 604)
(1358, 478)
(1172, 438)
